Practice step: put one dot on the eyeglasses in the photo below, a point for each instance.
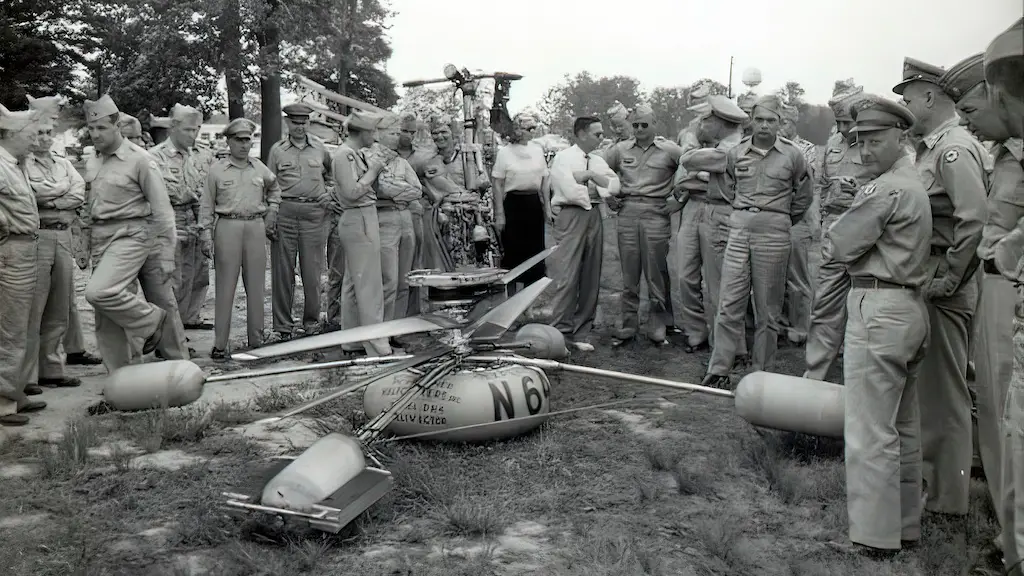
(527, 128)
(599, 134)
(638, 125)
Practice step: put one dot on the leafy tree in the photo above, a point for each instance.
(792, 94)
(670, 105)
(843, 85)
(584, 94)
(36, 51)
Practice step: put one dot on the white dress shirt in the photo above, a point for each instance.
(565, 191)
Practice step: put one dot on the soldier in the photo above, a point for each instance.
(618, 122)
(131, 129)
(993, 327)
(239, 212)
(772, 192)
(126, 190)
(59, 192)
(580, 180)
(700, 181)
(302, 166)
(416, 159)
(362, 294)
(799, 290)
(950, 162)
(883, 240)
(19, 230)
(646, 165)
(397, 187)
(746, 103)
(842, 174)
(74, 339)
(184, 169)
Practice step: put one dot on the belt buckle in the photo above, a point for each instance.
(753, 209)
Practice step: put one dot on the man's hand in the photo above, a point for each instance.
(614, 202)
(324, 200)
(270, 223)
(703, 176)
(847, 184)
(168, 267)
(499, 222)
(1008, 254)
(407, 196)
(582, 176)
(206, 244)
(671, 207)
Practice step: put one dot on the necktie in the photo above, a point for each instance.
(591, 188)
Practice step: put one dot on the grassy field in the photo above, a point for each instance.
(664, 484)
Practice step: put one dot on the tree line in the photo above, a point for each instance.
(150, 54)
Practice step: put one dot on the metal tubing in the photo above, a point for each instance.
(332, 95)
(552, 365)
(307, 367)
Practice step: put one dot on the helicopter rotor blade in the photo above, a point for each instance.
(532, 261)
(492, 325)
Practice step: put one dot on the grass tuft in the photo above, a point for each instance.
(70, 454)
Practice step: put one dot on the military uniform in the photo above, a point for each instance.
(304, 174)
(19, 231)
(60, 192)
(127, 188)
(397, 187)
(799, 288)
(882, 238)
(239, 197)
(417, 211)
(772, 192)
(362, 296)
(828, 309)
(645, 229)
(950, 162)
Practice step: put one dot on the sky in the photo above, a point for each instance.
(676, 42)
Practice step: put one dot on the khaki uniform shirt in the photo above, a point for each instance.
(702, 171)
(240, 191)
(884, 234)
(183, 172)
(776, 181)
(18, 212)
(417, 160)
(645, 172)
(452, 163)
(397, 184)
(303, 172)
(1005, 199)
(348, 167)
(951, 163)
(842, 159)
(119, 183)
(59, 188)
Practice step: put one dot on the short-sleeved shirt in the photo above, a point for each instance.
(302, 171)
(240, 191)
(842, 160)
(521, 166)
(18, 212)
(452, 163)
(774, 180)
(183, 172)
(645, 172)
(1005, 197)
(55, 182)
(117, 182)
(345, 158)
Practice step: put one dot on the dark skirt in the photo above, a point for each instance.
(523, 236)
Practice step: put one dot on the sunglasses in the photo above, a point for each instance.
(638, 125)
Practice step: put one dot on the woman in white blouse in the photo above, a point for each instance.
(521, 202)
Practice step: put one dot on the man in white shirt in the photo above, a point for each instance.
(580, 181)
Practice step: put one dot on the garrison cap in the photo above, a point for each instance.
(1009, 44)
(130, 126)
(297, 110)
(388, 120)
(643, 109)
(790, 113)
(440, 121)
(17, 121)
(410, 121)
(963, 76)
(917, 71)
(100, 108)
(186, 114)
(618, 111)
(771, 103)
(876, 113)
(239, 126)
(697, 99)
(361, 121)
(726, 109)
(159, 122)
(746, 102)
(47, 105)
(842, 100)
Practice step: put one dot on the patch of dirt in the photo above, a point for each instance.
(22, 521)
(168, 460)
(19, 470)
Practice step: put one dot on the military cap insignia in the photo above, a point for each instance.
(951, 156)
(868, 190)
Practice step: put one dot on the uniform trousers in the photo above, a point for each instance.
(946, 402)
(416, 218)
(335, 269)
(362, 293)
(692, 254)
(406, 264)
(17, 291)
(389, 220)
(644, 235)
(755, 265)
(120, 249)
(192, 279)
(576, 267)
(157, 288)
(714, 237)
(886, 337)
(828, 312)
(239, 247)
(49, 316)
(799, 291)
(993, 333)
(300, 233)
(1013, 452)
(74, 339)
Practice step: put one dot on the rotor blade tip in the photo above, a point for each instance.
(243, 357)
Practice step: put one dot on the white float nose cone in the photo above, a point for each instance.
(791, 403)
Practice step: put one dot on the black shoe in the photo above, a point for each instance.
(619, 342)
(692, 348)
(199, 326)
(32, 390)
(742, 362)
(852, 549)
(31, 406)
(83, 359)
(716, 381)
(674, 330)
(13, 420)
(219, 354)
(63, 382)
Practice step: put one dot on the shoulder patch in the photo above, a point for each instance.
(351, 157)
(951, 156)
(868, 189)
(154, 165)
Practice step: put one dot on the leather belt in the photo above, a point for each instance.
(54, 225)
(388, 207)
(874, 283)
(29, 236)
(240, 216)
(938, 250)
(989, 266)
(184, 207)
(301, 200)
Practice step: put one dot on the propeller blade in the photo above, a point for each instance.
(518, 271)
(495, 323)
(387, 329)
